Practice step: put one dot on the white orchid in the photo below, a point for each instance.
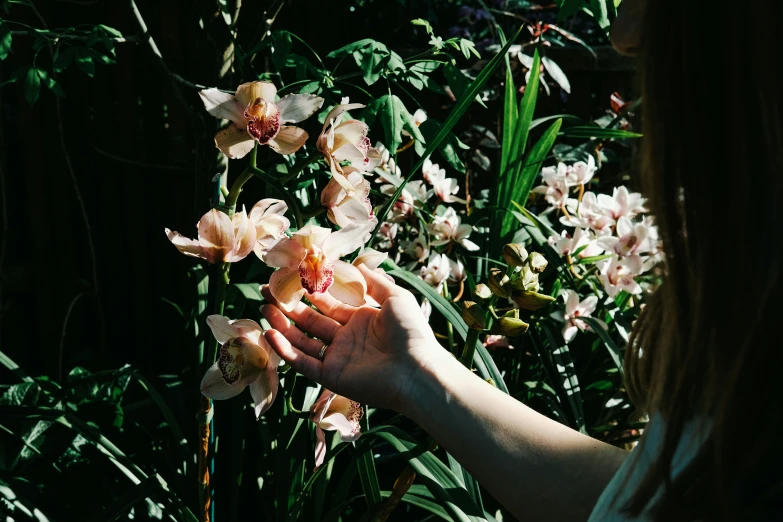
(446, 227)
(621, 203)
(582, 239)
(574, 311)
(589, 214)
(631, 239)
(555, 188)
(436, 271)
(619, 274)
(580, 173)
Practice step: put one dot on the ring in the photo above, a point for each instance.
(322, 352)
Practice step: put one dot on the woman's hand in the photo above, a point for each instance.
(373, 356)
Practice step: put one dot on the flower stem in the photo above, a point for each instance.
(299, 167)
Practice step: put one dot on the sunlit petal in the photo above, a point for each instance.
(215, 387)
(222, 328)
(189, 247)
(248, 93)
(286, 287)
(264, 390)
(370, 258)
(288, 140)
(287, 253)
(320, 447)
(234, 142)
(216, 236)
(345, 240)
(349, 285)
(223, 105)
(297, 107)
(244, 236)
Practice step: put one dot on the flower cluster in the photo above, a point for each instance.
(308, 258)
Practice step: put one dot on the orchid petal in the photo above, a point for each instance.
(248, 93)
(222, 328)
(189, 247)
(569, 332)
(338, 111)
(252, 330)
(348, 285)
(234, 142)
(345, 240)
(264, 390)
(572, 303)
(266, 207)
(312, 235)
(370, 258)
(287, 253)
(216, 236)
(288, 140)
(469, 245)
(223, 105)
(215, 387)
(244, 236)
(320, 447)
(297, 107)
(587, 306)
(286, 287)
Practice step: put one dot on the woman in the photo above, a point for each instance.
(701, 359)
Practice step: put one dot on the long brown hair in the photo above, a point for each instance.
(705, 344)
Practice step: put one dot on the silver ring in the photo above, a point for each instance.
(322, 352)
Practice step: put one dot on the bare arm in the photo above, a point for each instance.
(390, 358)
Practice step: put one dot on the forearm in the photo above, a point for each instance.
(524, 459)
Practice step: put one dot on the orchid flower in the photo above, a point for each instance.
(430, 171)
(621, 203)
(580, 173)
(555, 188)
(388, 233)
(618, 274)
(443, 187)
(446, 227)
(257, 118)
(631, 239)
(582, 239)
(404, 207)
(345, 206)
(436, 271)
(245, 360)
(220, 238)
(589, 214)
(345, 141)
(310, 262)
(493, 342)
(457, 271)
(270, 223)
(418, 249)
(574, 309)
(386, 162)
(332, 412)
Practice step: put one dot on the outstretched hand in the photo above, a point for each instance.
(373, 355)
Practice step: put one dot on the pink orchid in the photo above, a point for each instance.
(388, 233)
(419, 249)
(493, 342)
(404, 207)
(446, 227)
(619, 274)
(430, 171)
(386, 163)
(574, 309)
(220, 238)
(349, 205)
(580, 173)
(589, 214)
(332, 412)
(346, 141)
(270, 223)
(582, 239)
(555, 188)
(310, 262)
(257, 118)
(245, 360)
(631, 239)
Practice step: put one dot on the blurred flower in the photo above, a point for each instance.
(566, 245)
(493, 342)
(436, 271)
(443, 187)
(419, 117)
(446, 227)
(345, 206)
(332, 412)
(589, 215)
(220, 238)
(419, 249)
(430, 171)
(256, 117)
(555, 188)
(457, 271)
(574, 309)
(310, 262)
(631, 239)
(388, 233)
(426, 308)
(618, 274)
(404, 207)
(270, 223)
(621, 203)
(370, 258)
(580, 173)
(344, 140)
(386, 162)
(245, 360)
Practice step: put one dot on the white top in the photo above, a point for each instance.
(618, 491)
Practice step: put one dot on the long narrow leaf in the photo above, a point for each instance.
(568, 380)
(367, 474)
(483, 361)
(423, 503)
(520, 189)
(438, 478)
(594, 131)
(611, 347)
(456, 113)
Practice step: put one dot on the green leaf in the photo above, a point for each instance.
(520, 190)
(483, 361)
(369, 478)
(430, 128)
(568, 382)
(5, 41)
(394, 117)
(423, 503)
(372, 60)
(24, 394)
(251, 291)
(458, 82)
(14, 368)
(611, 347)
(594, 131)
(438, 478)
(83, 61)
(509, 121)
(350, 48)
(568, 8)
(32, 85)
(423, 23)
(281, 47)
(601, 14)
(456, 113)
(63, 58)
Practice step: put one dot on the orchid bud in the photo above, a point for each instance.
(527, 280)
(537, 262)
(514, 254)
(509, 326)
(473, 315)
(528, 300)
(481, 292)
(497, 282)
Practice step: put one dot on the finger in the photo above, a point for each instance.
(299, 361)
(308, 320)
(378, 286)
(294, 335)
(331, 307)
